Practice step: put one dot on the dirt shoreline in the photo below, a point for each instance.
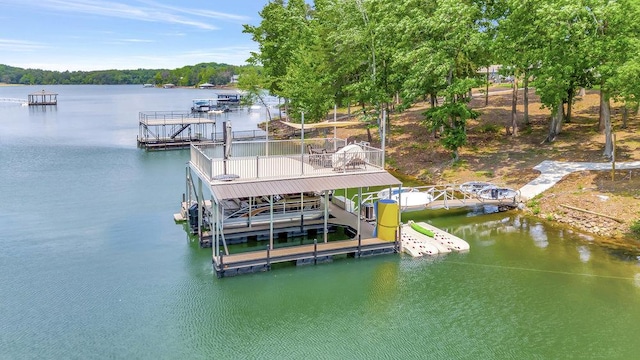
(492, 155)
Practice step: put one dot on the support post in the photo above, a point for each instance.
(271, 221)
(302, 212)
(357, 213)
(200, 212)
(326, 215)
(268, 257)
(315, 251)
(302, 144)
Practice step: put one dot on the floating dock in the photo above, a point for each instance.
(42, 98)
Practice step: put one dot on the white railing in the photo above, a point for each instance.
(201, 161)
(252, 160)
(167, 117)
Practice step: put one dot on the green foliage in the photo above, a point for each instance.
(217, 74)
(489, 129)
(487, 174)
(635, 229)
(368, 52)
(534, 205)
(451, 119)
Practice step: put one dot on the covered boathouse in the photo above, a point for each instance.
(255, 191)
(42, 98)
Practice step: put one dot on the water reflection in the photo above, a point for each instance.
(585, 253)
(39, 109)
(539, 236)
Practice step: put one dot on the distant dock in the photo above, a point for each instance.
(42, 98)
(166, 130)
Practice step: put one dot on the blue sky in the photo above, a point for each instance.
(119, 34)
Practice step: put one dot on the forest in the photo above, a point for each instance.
(389, 55)
(213, 73)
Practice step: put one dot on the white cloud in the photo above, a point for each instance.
(19, 45)
(201, 12)
(137, 40)
(153, 13)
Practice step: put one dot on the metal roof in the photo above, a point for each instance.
(235, 190)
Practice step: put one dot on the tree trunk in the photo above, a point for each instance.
(514, 110)
(625, 116)
(369, 137)
(556, 122)
(486, 90)
(606, 114)
(569, 105)
(525, 99)
(433, 100)
(600, 115)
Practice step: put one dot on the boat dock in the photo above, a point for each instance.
(265, 192)
(167, 130)
(252, 191)
(42, 98)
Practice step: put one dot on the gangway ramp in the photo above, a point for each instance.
(446, 196)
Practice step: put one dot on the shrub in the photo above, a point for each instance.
(490, 128)
(635, 228)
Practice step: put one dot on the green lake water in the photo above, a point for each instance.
(92, 265)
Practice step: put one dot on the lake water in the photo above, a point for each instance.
(92, 265)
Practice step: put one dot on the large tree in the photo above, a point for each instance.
(613, 45)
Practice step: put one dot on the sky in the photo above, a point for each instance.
(125, 34)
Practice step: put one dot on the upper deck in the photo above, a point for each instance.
(252, 161)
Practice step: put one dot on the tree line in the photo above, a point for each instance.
(213, 73)
(392, 54)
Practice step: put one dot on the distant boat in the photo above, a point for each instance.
(148, 85)
(229, 99)
(497, 193)
(203, 105)
(168, 86)
(473, 187)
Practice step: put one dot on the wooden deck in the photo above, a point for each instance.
(254, 261)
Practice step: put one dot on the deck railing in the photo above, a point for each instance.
(250, 160)
(158, 117)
